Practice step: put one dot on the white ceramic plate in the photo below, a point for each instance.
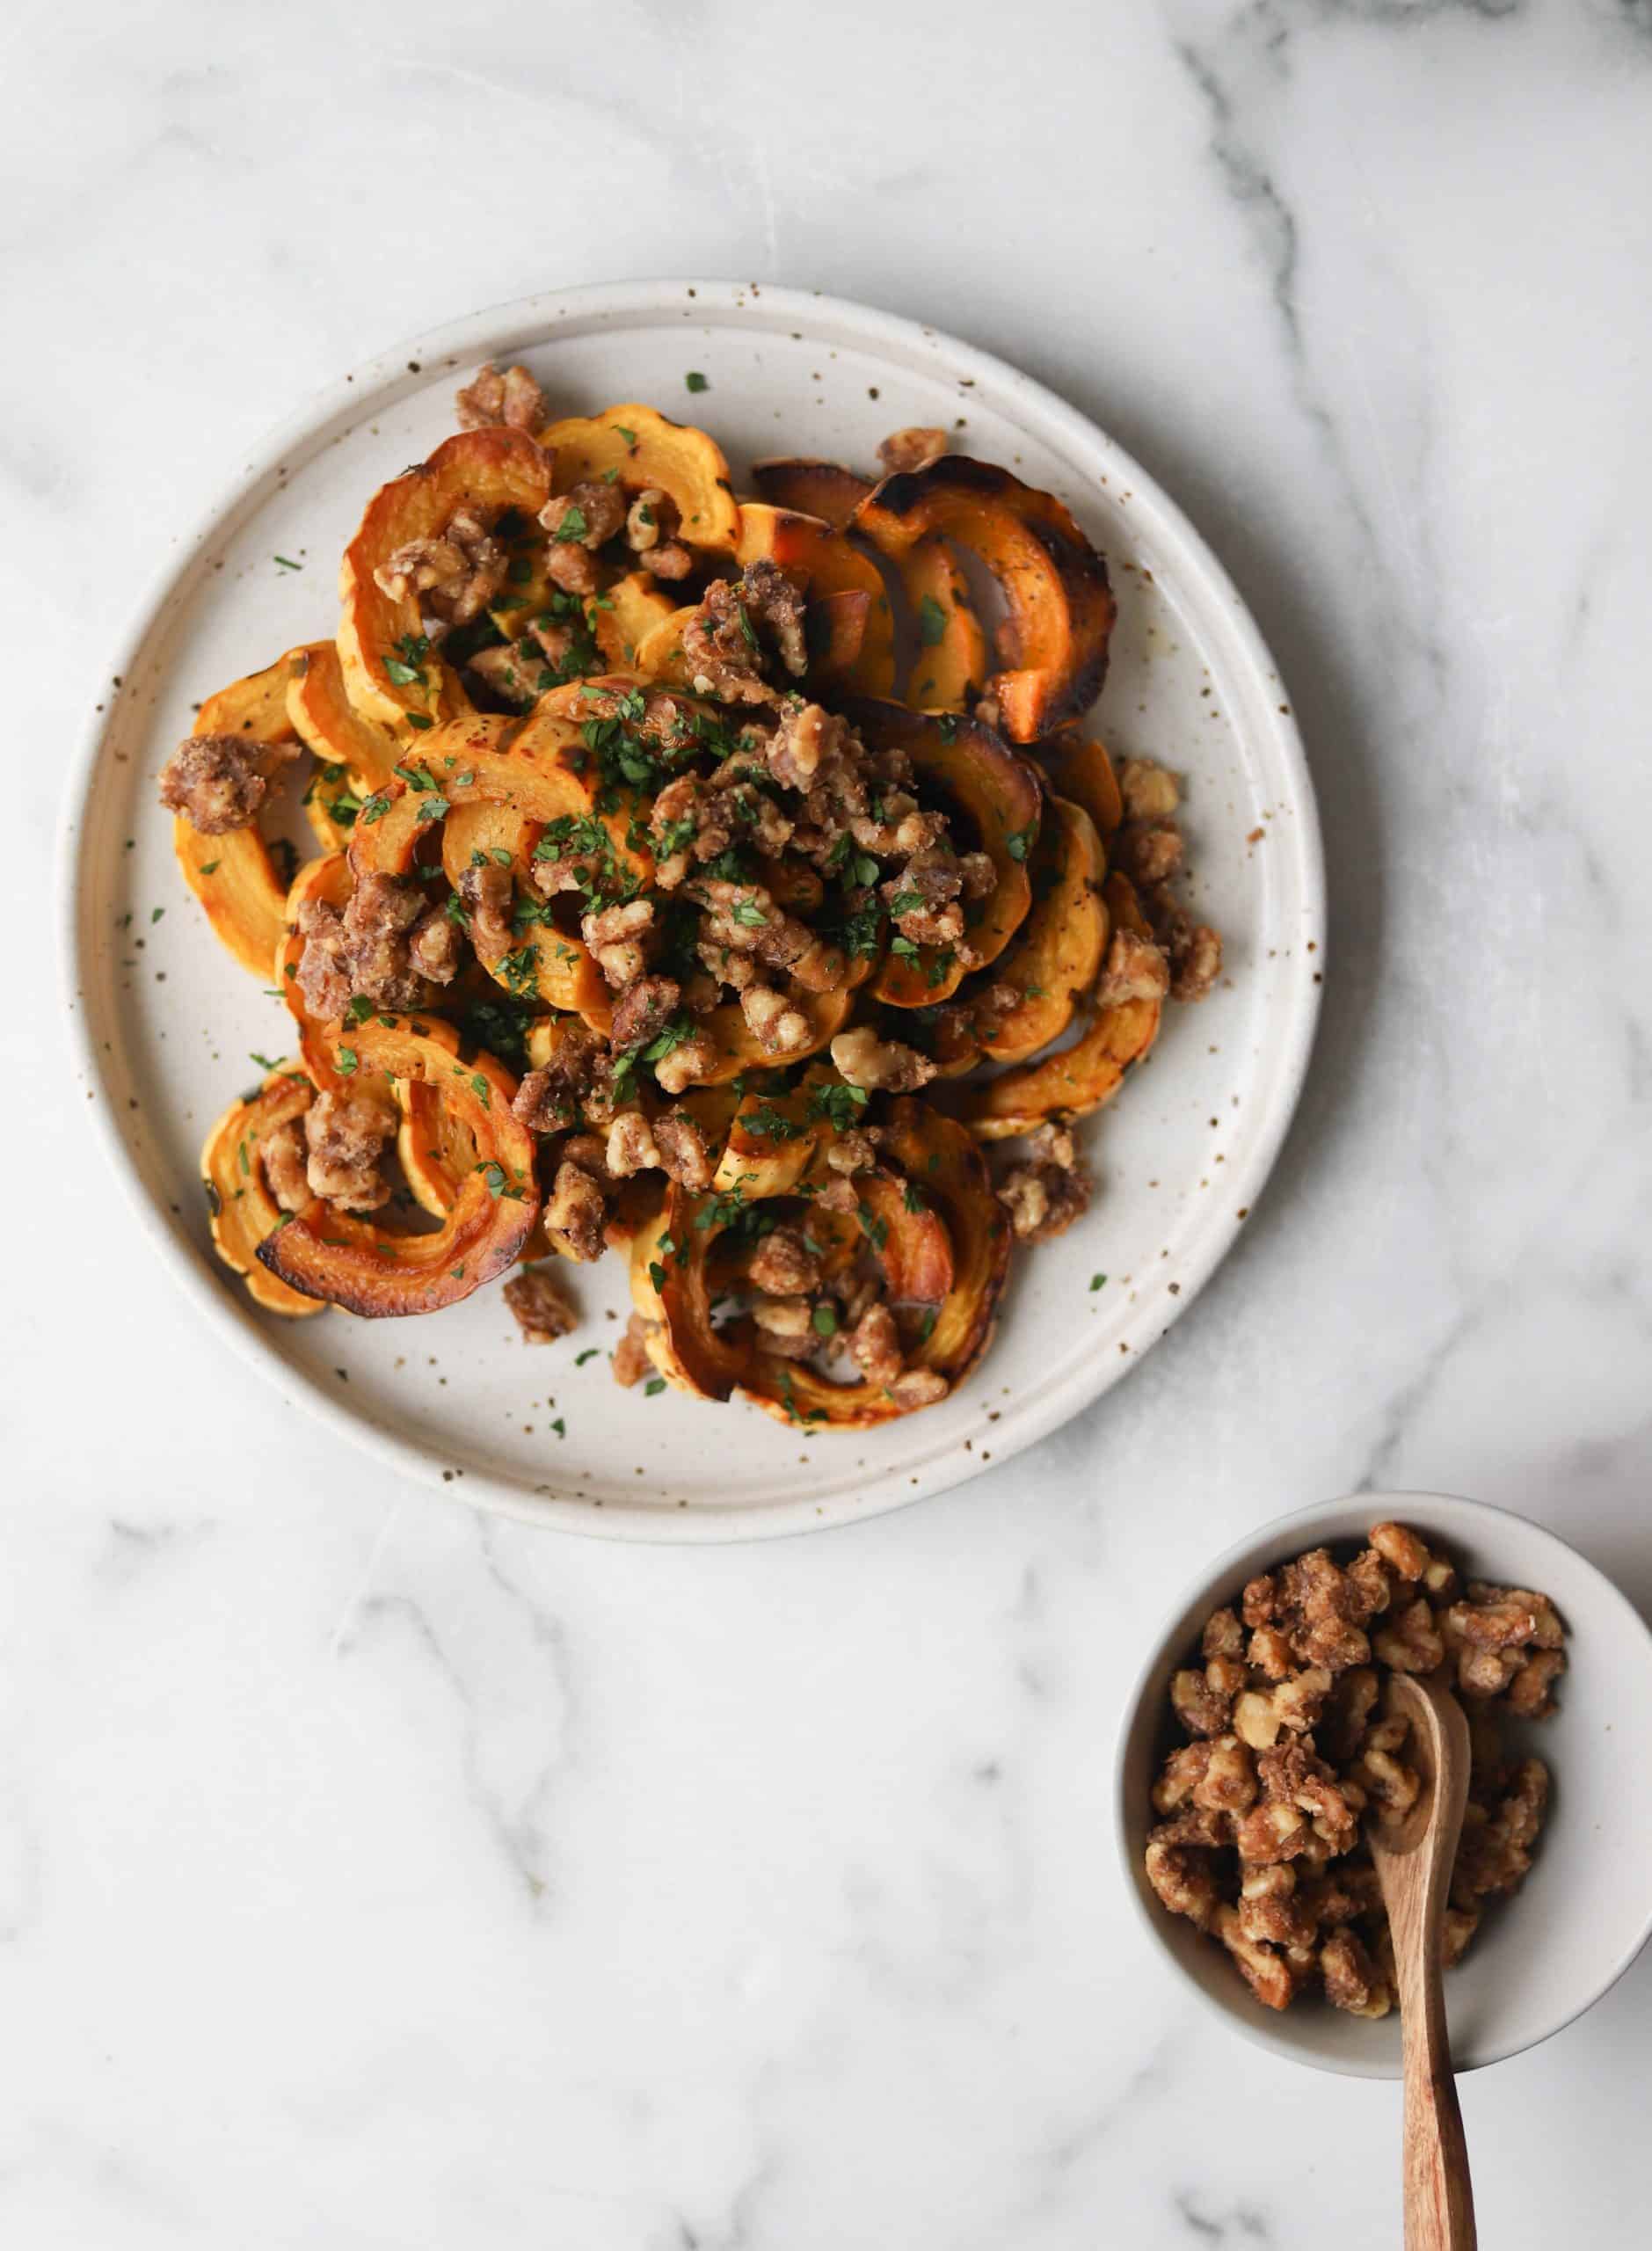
(1583, 1914)
(164, 1020)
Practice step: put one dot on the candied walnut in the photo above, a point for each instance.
(550, 1099)
(852, 1151)
(671, 559)
(783, 1265)
(1204, 1701)
(1180, 1776)
(1381, 1773)
(324, 977)
(574, 1214)
(645, 521)
(586, 516)
(1267, 1973)
(642, 1011)
(1150, 791)
(518, 671)
(916, 1387)
(1223, 1634)
(785, 1326)
(1352, 1981)
(1229, 1780)
(1292, 1705)
(1411, 1642)
(1353, 1700)
(1373, 1580)
(720, 643)
(1322, 1610)
(1457, 1926)
(491, 400)
(912, 448)
(219, 781)
(1495, 1854)
(875, 1344)
(345, 1136)
(1149, 852)
(807, 739)
(619, 938)
(284, 1156)
(1185, 1881)
(433, 947)
(487, 893)
(542, 1313)
(1529, 1693)
(1400, 1550)
(1344, 1894)
(1269, 1651)
(1193, 950)
(685, 1155)
(1135, 970)
(631, 1145)
(771, 1020)
(454, 574)
(879, 1066)
(631, 1358)
(1259, 1603)
(1272, 1910)
(690, 1063)
(377, 927)
(1044, 1200)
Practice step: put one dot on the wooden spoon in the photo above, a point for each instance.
(1414, 1857)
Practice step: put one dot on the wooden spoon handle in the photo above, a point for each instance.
(1439, 2201)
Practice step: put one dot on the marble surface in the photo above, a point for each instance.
(375, 1875)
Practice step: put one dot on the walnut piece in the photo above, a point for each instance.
(1289, 1748)
(542, 1313)
(218, 782)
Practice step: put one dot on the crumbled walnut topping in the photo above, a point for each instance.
(286, 1165)
(218, 782)
(879, 1066)
(536, 1297)
(452, 575)
(632, 1359)
(1135, 970)
(574, 1213)
(783, 1265)
(685, 1153)
(512, 399)
(913, 449)
(345, 1135)
(693, 1062)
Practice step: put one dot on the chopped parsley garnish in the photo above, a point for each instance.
(932, 622)
(695, 381)
(589, 1353)
(653, 1388)
(1020, 841)
(824, 1321)
(841, 1104)
(573, 525)
(347, 1061)
(287, 563)
(1097, 1280)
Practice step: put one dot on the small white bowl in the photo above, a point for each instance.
(1583, 1914)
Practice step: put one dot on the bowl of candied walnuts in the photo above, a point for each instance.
(1258, 1752)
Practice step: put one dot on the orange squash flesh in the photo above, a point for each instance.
(1059, 948)
(825, 489)
(823, 563)
(628, 612)
(323, 717)
(1081, 769)
(648, 450)
(542, 961)
(487, 470)
(937, 1156)
(1058, 606)
(372, 1272)
(234, 875)
(968, 769)
(950, 665)
(244, 1212)
(1084, 1076)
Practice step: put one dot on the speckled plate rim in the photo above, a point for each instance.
(519, 325)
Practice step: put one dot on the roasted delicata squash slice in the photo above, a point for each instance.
(233, 874)
(244, 1210)
(370, 1271)
(823, 561)
(1081, 769)
(1085, 1075)
(648, 451)
(825, 489)
(541, 959)
(671, 1285)
(624, 616)
(938, 1158)
(949, 666)
(976, 775)
(1058, 606)
(330, 725)
(1058, 949)
(391, 673)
